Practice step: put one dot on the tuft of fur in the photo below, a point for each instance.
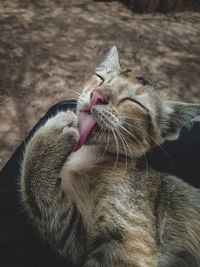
(103, 205)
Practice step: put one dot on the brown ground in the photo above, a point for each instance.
(48, 48)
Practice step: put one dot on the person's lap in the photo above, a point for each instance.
(21, 245)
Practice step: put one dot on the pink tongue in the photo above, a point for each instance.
(86, 122)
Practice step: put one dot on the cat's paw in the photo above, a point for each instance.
(65, 121)
(62, 120)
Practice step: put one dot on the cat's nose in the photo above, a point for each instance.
(97, 98)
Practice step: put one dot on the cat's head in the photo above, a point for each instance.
(122, 112)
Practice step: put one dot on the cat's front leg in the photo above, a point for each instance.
(44, 157)
(49, 203)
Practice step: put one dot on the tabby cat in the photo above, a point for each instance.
(88, 189)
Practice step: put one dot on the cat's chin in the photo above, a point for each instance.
(96, 137)
(92, 137)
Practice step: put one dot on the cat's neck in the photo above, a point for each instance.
(95, 154)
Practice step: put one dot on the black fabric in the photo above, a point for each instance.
(21, 245)
(180, 157)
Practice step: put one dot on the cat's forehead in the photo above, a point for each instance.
(122, 82)
(134, 77)
(123, 86)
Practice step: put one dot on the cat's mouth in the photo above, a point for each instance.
(87, 126)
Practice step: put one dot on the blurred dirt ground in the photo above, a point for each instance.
(48, 48)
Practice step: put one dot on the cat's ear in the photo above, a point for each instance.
(179, 114)
(111, 62)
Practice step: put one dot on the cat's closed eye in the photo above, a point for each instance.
(100, 77)
(128, 99)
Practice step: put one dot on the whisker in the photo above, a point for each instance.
(157, 143)
(99, 135)
(127, 132)
(75, 92)
(136, 119)
(127, 147)
(125, 151)
(108, 140)
(117, 145)
(146, 162)
(139, 143)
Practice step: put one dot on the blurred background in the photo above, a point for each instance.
(48, 48)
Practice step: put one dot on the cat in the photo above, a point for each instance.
(88, 189)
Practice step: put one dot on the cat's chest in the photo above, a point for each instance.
(95, 186)
(82, 159)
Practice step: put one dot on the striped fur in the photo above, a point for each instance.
(102, 205)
